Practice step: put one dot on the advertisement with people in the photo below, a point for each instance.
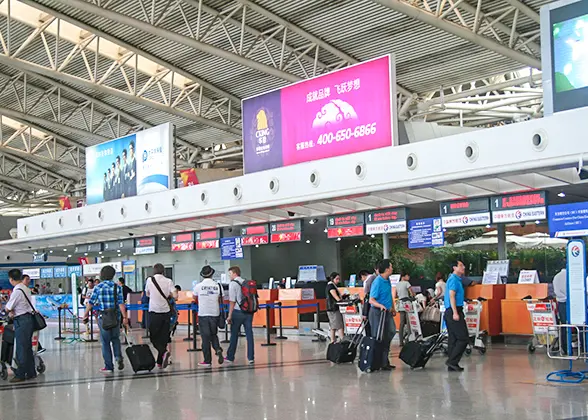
(136, 164)
(339, 113)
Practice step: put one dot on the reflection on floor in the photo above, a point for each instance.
(291, 381)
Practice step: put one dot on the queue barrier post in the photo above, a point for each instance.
(189, 338)
(91, 339)
(194, 342)
(226, 340)
(268, 342)
(318, 322)
(146, 316)
(281, 336)
(59, 337)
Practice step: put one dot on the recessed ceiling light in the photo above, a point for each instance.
(69, 256)
(163, 238)
(257, 246)
(488, 226)
(561, 194)
(537, 222)
(86, 254)
(373, 236)
(35, 253)
(313, 221)
(100, 253)
(326, 230)
(51, 252)
(64, 249)
(308, 241)
(338, 239)
(356, 245)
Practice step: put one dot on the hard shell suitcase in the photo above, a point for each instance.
(140, 356)
(417, 353)
(345, 351)
(371, 349)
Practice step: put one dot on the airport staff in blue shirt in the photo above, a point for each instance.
(381, 302)
(457, 328)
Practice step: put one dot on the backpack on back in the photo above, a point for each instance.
(250, 301)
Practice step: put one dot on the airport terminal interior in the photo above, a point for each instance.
(376, 208)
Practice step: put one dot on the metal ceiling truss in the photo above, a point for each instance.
(496, 30)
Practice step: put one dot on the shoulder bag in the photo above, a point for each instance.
(172, 308)
(39, 322)
(110, 315)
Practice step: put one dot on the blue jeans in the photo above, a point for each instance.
(241, 318)
(23, 334)
(108, 338)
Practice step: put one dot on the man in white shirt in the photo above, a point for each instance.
(21, 310)
(403, 290)
(237, 318)
(160, 289)
(560, 289)
(209, 294)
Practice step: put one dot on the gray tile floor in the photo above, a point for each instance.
(292, 381)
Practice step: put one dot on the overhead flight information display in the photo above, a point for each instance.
(464, 213)
(345, 225)
(255, 235)
(286, 231)
(182, 242)
(145, 246)
(521, 207)
(208, 239)
(385, 221)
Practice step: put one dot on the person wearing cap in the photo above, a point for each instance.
(209, 294)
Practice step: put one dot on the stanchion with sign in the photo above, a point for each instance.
(268, 342)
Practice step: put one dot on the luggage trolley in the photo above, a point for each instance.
(351, 311)
(472, 310)
(543, 316)
(411, 307)
(8, 349)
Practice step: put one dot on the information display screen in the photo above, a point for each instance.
(519, 207)
(286, 231)
(182, 242)
(125, 244)
(144, 246)
(88, 248)
(464, 213)
(345, 225)
(255, 235)
(208, 239)
(385, 221)
(425, 233)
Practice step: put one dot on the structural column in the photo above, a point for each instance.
(502, 251)
(386, 242)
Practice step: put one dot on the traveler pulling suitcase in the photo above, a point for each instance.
(139, 355)
(417, 353)
(345, 351)
(371, 349)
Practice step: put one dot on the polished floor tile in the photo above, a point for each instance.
(291, 381)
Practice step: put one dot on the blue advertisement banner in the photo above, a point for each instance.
(4, 281)
(231, 248)
(47, 272)
(425, 233)
(47, 304)
(76, 269)
(60, 272)
(137, 164)
(568, 220)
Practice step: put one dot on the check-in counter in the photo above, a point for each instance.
(516, 319)
(184, 297)
(296, 297)
(491, 316)
(265, 296)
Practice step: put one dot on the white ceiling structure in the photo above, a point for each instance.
(74, 73)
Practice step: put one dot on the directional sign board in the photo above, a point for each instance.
(385, 221)
(345, 225)
(521, 207)
(286, 231)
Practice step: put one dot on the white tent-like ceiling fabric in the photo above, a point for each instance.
(489, 240)
(74, 73)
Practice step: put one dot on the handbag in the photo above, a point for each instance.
(222, 318)
(110, 315)
(39, 322)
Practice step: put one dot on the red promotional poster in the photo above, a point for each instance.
(344, 232)
(189, 177)
(64, 203)
(83, 261)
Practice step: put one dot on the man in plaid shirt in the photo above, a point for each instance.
(102, 299)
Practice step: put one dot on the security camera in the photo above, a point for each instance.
(291, 214)
(7, 257)
(523, 224)
(131, 234)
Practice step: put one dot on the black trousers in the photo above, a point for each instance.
(209, 336)
(458, 336)
(159, 328)
(562, 312)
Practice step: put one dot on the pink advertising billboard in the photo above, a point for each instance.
(339, 113)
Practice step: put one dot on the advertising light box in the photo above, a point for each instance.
(346, 111)
(385, 221)
(345, 225)
(139, 163)
(568, 220)
(465, 213)
(286, 231)
(522, 207)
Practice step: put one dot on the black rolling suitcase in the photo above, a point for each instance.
(140, 356)
(7, 347)
(345, 351)
(417, 353)
(371, 349)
